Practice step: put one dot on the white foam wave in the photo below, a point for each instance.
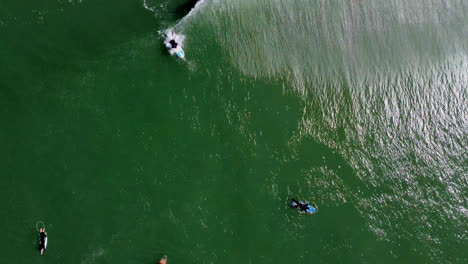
(169, 35)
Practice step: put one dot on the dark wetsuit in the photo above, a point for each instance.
(43, 241)
(173, 43)
(299, 205)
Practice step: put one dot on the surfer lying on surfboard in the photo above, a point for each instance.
(301, 206)
(42, 240)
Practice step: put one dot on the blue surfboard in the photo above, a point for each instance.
(310, 209)
(180, 53)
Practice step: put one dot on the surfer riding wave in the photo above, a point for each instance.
(174, 43)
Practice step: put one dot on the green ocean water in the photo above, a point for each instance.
(126, 153)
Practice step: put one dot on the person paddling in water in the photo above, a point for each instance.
(163, 260)
(303, 207)
(42, 240)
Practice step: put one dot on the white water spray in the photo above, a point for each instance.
(170, 35)
(175, 32)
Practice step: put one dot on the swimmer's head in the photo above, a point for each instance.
(42, 251)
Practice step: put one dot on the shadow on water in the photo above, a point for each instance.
(184, 9)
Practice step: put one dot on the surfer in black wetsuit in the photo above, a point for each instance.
(43, 240)
(301, 206)
(173, 43)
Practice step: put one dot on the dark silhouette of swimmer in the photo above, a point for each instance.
(43, 240)
(173, 43)
(301, 206)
